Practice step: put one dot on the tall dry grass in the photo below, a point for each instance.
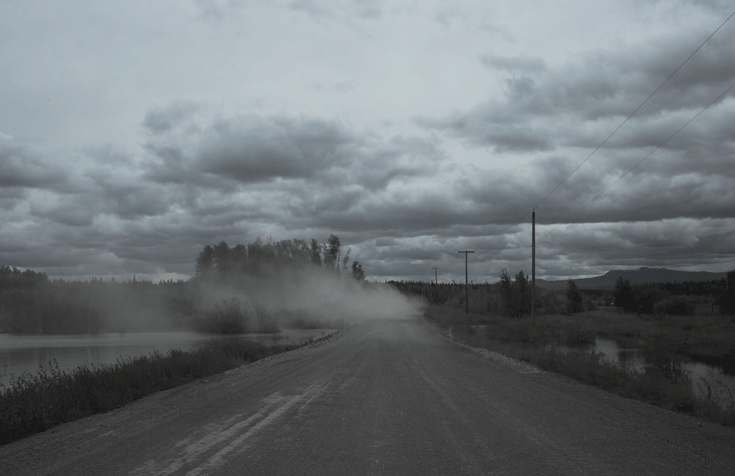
(35, 403)
(554, 343)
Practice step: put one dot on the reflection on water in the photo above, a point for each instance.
(701, 375)
(630, 356)
(19, 354)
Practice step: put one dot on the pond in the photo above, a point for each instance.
(24, 353)
(700, 374)
(720, 380)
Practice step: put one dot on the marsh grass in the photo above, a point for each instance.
(35, 403)
(551, 344)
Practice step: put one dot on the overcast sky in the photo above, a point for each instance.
(134, 133)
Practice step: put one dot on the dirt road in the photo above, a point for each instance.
(384, 397)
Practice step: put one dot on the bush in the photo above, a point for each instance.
(227, 317)
(674, 306)
(34, 403)
(574, 298)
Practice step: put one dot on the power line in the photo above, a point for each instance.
(631, 115)
(642, 160)
(618, 128)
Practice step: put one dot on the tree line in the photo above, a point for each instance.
(672, 298)
(224, 263)
(31, 303)
(511, 296)
(271, 263)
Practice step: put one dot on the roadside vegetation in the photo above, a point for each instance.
(35, 403)
(222, 297)
(226, 297)
(667, 327)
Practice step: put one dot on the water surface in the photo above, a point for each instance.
(702, 376)
(24, 353)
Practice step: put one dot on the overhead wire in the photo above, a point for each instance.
(636, 110)
(641, 161)
(502, 233)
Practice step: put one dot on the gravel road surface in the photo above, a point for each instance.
(387, 397)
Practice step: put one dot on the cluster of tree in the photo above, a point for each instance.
(660, 298)
(30, 303)
(13, 278)
(223, 263)
(271, 263)
(232, 316)
(712, 288)
(511, 296)
(515, 295)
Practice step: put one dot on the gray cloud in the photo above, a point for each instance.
(21, 167)
(369, 9)
(255, 149)
(159, 121)
(542, 107)
(312, 8)
(293, 119)
(520, 64)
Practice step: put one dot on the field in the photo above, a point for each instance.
(560, 343)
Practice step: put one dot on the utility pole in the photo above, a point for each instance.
(466, 285)
(533, 267)
(436, 277)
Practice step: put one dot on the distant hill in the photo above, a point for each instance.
(635, 276)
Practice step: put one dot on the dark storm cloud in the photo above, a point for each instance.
(184, 174)
(680, 243)
(204, 178)
(20, 167)
(10, 197)
(653, 191)
(71, 212)
(251, 149)
(130, 201)
(567, 111)
(544, 107)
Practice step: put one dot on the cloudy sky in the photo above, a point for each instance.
(134, 133)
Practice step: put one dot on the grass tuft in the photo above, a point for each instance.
(554, 345)
(35, 403)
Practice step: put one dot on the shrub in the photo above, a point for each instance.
(34, 403)
(675, 306)
(226, 318)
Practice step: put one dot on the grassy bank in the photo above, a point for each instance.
(706, 337)
(35, 403)
(662, 382)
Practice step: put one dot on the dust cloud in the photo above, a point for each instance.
(314, 297)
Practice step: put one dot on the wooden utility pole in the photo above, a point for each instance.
(436, 277)
(466, 285)
(533, 267)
